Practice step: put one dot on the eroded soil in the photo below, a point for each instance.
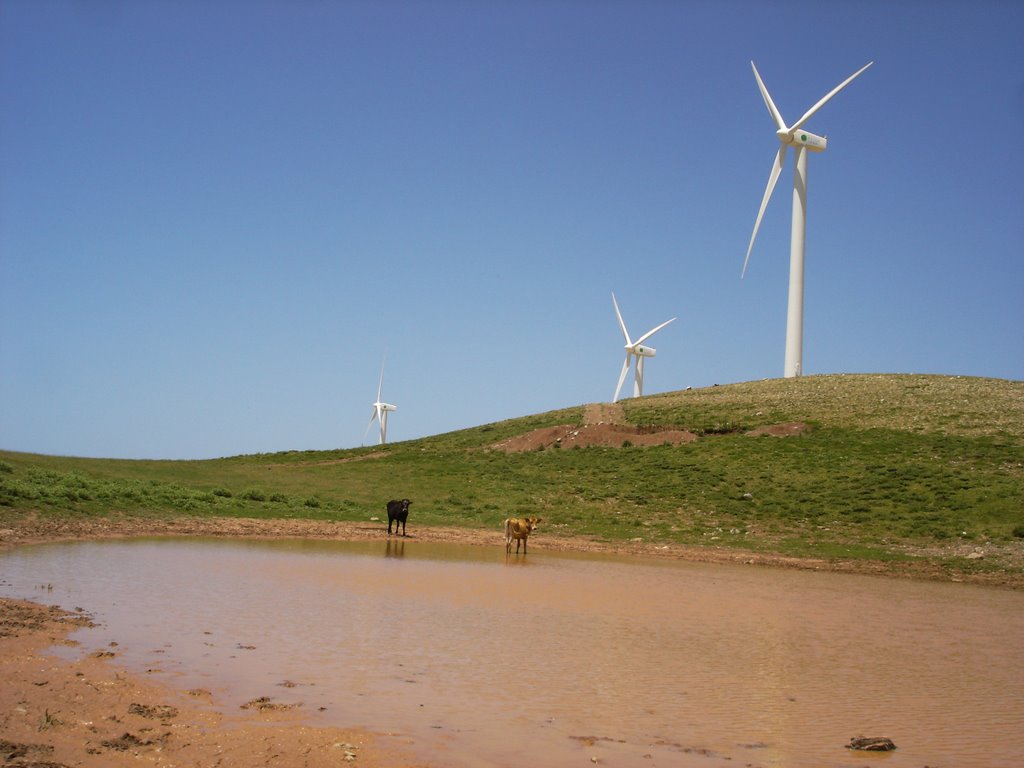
(604, 425)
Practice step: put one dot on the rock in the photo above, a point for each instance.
(349, 749)
(872, 744)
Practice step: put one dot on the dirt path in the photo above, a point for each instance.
(604, 413)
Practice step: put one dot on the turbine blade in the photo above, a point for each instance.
(773, 177)
(824, 100)
(622, 378)
(368, 425)
(651, 332)
(622, 325)
(772, 109)
(380, 384)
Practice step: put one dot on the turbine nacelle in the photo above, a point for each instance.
(641, 351)
(805, 139)
(385, 407)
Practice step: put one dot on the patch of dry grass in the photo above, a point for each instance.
(950, 405)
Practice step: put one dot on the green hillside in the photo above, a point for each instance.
(889, 466)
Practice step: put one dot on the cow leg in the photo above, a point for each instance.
(389, 526)
(403, 528)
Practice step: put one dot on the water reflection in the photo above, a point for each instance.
(590, 656)
(516, 559)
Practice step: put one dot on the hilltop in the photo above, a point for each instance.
(896, 473)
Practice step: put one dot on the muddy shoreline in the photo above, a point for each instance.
(32, 529)
(88, 712)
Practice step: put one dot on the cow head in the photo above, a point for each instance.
(531, 522)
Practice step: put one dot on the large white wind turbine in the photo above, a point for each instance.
(639, 351)
(380, 411)
(803, 141)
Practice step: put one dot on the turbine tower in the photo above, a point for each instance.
(380, 412)
(804, 142)
(635, 349)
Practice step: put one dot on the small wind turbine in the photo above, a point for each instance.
(380, 411)
(803, 141)
(639, 351)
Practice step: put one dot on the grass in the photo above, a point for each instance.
(892, 463)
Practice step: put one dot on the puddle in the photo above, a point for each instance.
(554, 659)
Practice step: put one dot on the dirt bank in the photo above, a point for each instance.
(604, 424)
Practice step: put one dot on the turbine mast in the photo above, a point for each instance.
(797, 246)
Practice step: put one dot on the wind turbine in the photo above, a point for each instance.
(639, 351)
(380, 411)
(803, 141)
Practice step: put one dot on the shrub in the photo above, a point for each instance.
(1019, 531)
(222, 492)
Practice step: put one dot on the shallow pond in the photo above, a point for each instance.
(552, 659)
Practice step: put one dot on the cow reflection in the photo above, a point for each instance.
(395, 548)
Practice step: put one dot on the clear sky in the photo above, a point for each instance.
(217, 218)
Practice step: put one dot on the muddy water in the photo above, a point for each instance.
(479, 660)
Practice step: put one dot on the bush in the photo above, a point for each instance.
(222, 492)
(1019, 531)
(254, 494)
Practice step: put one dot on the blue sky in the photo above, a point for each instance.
(217, 218)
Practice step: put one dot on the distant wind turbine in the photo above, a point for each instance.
(639, 351)
(380, 412)
(803, 141)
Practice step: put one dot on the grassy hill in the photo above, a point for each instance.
(890, 466)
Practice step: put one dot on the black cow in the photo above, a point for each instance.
(398, 512)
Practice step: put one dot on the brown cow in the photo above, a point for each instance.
(519, 528)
